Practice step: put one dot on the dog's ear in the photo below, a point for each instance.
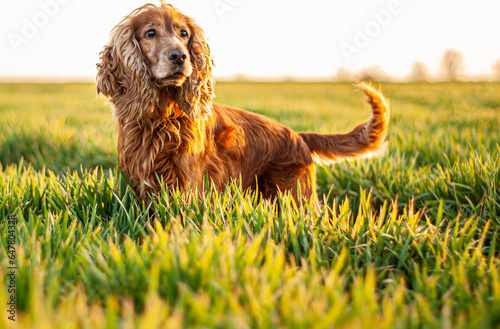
(107, 72)
(197, 92)
(123, 74)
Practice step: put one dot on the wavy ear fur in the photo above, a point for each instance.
(198, 91)
(124, 75)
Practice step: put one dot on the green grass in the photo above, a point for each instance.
(409, 240)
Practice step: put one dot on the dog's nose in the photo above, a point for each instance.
(177, 57)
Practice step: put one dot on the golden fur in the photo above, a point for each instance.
(170, 129)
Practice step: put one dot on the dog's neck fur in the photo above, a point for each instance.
(166, 140)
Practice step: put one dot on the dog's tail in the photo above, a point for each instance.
(366, 140)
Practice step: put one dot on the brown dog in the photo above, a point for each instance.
(157, 71)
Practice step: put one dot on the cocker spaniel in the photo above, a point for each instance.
(156, 70)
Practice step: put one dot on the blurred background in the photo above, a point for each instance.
(321, 40)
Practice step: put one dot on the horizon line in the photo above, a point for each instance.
(248, 78)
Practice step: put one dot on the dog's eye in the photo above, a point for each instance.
(184, 33)
(151, 34)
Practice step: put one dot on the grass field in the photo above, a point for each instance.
(409, 240)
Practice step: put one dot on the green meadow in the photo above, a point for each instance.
(407, 240)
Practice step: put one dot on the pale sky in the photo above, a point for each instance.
(273, 38)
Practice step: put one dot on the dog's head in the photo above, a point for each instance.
(156, 53)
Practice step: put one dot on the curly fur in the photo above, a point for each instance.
(174, 132)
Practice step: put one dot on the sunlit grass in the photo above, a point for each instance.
(409, 240)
